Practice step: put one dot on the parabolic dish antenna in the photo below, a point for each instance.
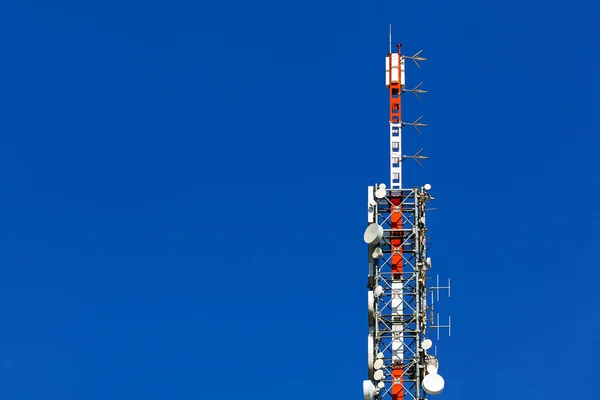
(381, 384)
(427, 186)
(378, 364)
(427, 343)
(368, 390)
(380, 193)
(378, 291)
(377, 253)
(433, 384)
(378, 375)
(373, 234)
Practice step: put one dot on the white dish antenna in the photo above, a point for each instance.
(373, 234)
(368, 390)
(427, 186)
(426, 344)
(378, 364)
(381, 385)
(380, 193)
(378, 291)
(433, 384)
(378, 375)
(377, 253)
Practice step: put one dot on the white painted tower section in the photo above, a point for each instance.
(395, 155)
(396, 73)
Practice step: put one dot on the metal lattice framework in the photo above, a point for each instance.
(398, 319)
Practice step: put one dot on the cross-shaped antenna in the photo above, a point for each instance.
(437, 288)
(417, 156)
(416, 90)
(438, 326)
(415, 124)
(416, 57)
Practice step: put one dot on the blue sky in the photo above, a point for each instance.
(183, 194)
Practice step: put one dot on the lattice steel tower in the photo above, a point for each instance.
(400, 302)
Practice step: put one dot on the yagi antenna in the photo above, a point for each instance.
(416, 91)
(416, 57)
(417, 124)
(437, 326)
(417, 156)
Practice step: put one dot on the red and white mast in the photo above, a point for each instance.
(394, 81)
(400, 318)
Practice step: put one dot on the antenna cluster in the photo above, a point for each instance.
(402, 358)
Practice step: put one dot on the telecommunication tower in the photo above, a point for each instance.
(402, 360)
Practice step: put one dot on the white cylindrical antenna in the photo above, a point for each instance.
(432, 369)
(371, 356)
(371, 308)
(368, 390)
